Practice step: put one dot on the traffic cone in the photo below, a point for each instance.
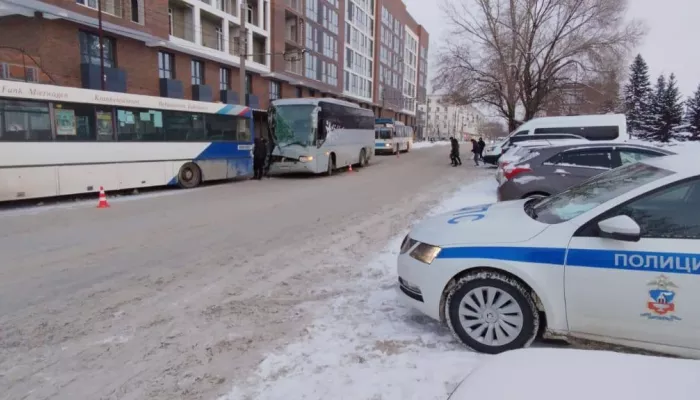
(350, 168)
(103, 199)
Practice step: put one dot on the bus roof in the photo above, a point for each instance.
(314, 101)
(35, 91)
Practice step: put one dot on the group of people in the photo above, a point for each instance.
(262, 154)
(477, 151)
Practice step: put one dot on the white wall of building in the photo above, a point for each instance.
(444, 120)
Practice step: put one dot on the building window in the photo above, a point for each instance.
(224, 78)
(90, 49)
(113, 7)
(248, 83)
(274, 90)
(311, 62)
(311, 37)
(312, 10)
(166, 65)
(136, 11)
(197, 72)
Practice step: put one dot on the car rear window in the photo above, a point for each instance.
(589, 132)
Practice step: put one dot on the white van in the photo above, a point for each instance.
(603, 127)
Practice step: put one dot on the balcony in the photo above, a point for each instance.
(181, 21)
(234, 43)
(253, 14)
(227, 6)
(294, 67)
(295, 5)
(91, 78)
(293, 32)
(259, 49)
(212, 35)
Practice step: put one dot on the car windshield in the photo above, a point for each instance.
(593, 192)
(292, 124)
(382, 133)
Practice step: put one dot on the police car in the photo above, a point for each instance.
(614, 259)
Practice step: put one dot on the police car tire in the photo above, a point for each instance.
(531, 317)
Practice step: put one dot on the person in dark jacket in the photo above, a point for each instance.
(482, 146)
(454, 154)
(259, 155)
(268, 157)
(475, 150)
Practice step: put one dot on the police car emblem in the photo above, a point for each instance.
(660, 302)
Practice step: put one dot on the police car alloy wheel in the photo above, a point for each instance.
(491, 313)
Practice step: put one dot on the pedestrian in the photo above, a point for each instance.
(482, 146)
(268, 157)
(455, 152)
(475, 150)
(259, 155)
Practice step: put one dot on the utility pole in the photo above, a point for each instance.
(243, 46)
(102, 50)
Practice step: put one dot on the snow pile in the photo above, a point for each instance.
(425, 144)
(554, 374)
(366, 345)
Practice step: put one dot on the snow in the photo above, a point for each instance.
(561, 171)
(527, 179)
(366, 345)
(426, 144)
(553, 374)
(679, 147)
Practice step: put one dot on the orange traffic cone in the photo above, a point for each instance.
(350, 168)
(103, 199)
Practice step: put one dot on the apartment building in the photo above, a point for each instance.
(445, 120)
(191, 49)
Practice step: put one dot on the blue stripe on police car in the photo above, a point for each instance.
(680, 263)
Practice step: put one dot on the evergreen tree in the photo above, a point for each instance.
(673, 107)
(654, 126)
(693, 114)
(636, 96)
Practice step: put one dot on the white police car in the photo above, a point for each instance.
(614, 259)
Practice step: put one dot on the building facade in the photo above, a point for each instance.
(191, 49)
(443, 120)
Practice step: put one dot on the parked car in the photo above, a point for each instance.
(614, 259)
(603, 127)
(549, 170)
(519, 146)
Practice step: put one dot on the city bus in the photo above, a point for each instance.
(392, 136)
(319, 135)
(58, 141)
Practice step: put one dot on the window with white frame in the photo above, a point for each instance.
(311, 62)
(311, 37)
(312, 9)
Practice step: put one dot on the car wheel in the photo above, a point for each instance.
(331, 166)
(363, 158)
(535, 196)
(492, 313)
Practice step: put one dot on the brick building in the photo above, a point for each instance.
(191, 49)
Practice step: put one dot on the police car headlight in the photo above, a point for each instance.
(407, 244)
(425, 253)
(306, 158)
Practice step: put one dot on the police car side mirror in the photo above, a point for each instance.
(620, 227)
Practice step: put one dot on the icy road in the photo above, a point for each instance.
(181, 295)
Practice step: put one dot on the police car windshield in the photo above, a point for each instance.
(594, 192)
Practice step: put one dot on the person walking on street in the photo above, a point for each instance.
(475, 150)
(259, 155)
(454, 154)
(482, 146)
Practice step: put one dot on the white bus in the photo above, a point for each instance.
(319, 135)
(392, 136)
(60, 141)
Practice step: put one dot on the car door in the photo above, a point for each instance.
(647, 290)
(571, 167)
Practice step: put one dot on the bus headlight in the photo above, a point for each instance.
(387, 144)
(306, 158)
(425, 253)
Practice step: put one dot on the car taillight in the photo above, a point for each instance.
(511, 173)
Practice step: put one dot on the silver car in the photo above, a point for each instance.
(549, 170)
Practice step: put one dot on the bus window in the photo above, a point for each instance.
(382, 133)
(22, 121)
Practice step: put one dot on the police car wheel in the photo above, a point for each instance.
(492, 313)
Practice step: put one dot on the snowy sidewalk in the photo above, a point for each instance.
(365, 345)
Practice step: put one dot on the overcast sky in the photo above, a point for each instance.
(670, 46)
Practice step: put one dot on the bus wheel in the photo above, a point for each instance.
(408, 147)
(331, 165)
(190, 176)
(363, 158)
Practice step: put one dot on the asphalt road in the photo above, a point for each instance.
(178, 295)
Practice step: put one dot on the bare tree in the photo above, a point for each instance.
(516, 53)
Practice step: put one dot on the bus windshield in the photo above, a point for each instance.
(382, 133)
(292, 124)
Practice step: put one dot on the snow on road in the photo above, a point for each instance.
(426, 144)
(366, 345)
